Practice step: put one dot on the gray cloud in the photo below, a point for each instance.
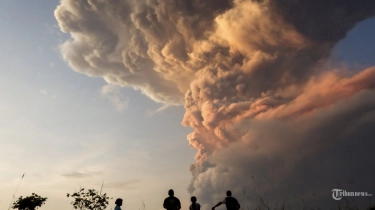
(114, 94)
(324, 21)
(293, 159)
(79, 175)
(249, 75)
(122, 184)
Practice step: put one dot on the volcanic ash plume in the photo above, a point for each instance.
(267, 119)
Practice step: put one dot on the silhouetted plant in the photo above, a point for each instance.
(89, 199)
(29, 203)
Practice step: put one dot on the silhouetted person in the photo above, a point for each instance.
(194, 205)
(229, 201)
(171, 203)
(118, 203)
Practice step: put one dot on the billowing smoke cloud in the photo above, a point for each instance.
(267, 119)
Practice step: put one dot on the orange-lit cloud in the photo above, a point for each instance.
(249, 75)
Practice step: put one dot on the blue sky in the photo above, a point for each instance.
(59, 128)
(54, 118)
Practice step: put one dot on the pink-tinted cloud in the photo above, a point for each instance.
(249, 75)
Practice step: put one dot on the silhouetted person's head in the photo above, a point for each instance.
(193, 199)
(229, 193)
(118, 202)
(170, 192)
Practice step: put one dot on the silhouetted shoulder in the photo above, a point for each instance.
(197, 206)
(172, 203)
(231, 203)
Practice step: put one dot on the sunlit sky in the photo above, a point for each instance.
(63, 131)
